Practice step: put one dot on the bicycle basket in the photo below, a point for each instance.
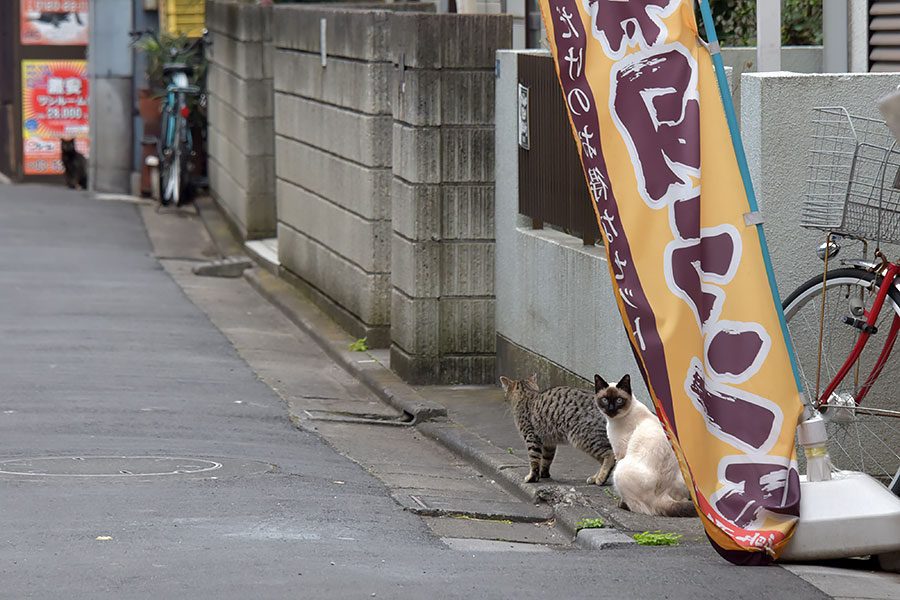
(854, 184)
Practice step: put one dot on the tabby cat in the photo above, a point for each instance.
(647, 477)
(555, 416)
(74, 163)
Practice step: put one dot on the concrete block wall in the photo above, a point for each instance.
(442, 248)
(382, 128)
(333, 156)
(241, 124)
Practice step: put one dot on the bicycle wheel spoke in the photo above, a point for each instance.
(864, 438)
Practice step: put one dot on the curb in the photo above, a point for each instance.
(602, 539)
(336, 342)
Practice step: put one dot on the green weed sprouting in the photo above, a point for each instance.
(588, 524)
(657, 538)
(359, 345)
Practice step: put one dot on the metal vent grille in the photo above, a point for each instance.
(884, 36)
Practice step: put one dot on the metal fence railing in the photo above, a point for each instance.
(552, 187)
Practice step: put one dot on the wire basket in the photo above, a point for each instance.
(854, 177)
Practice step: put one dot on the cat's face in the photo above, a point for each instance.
(67, 145)
(515, 387)
(613, 399)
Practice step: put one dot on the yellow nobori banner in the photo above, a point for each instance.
(692, 284)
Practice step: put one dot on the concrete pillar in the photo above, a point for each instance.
(110, 70)
(858, 36)
(333, 135)
(442, 253)
(768, 35)
(240, 130)
(834, 33)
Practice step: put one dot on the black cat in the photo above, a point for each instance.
(75, 165)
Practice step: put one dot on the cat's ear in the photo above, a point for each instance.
(505, 383)
(532, 382)
(625, 384)
(599, 384)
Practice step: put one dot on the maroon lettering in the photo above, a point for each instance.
(686, 216)
(654, 102)
(734, 352)
(754, 487)
(739, 418)
(622, 24)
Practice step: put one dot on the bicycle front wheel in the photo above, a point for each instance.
(864, 437)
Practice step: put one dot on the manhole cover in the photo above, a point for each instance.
(106, 466)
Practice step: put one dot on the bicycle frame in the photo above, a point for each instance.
(179, 81)
(890, 275)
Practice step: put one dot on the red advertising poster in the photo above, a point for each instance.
(54, 22)
(54, 106)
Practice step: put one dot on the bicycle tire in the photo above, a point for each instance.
(857, 440)
(174, 177)
(167, 160)
(184, 176)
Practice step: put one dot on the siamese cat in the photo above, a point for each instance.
(647, 477)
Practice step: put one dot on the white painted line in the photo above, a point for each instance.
(123, 198)
(211, 465)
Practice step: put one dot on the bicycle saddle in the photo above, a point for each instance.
(170, 68)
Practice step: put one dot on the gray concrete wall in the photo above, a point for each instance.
(442, 275)
(776, 126)
(384, 177)
(110, 71)
(797, 59)
(333, 149)
(556, 313)
(240, 133)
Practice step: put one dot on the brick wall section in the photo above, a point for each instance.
(442, 249)
(240, 131)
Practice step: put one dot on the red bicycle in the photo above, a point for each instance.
(844, 323)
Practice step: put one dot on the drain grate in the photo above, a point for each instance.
(402, 420)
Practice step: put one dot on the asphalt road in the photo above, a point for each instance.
(141, 457)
